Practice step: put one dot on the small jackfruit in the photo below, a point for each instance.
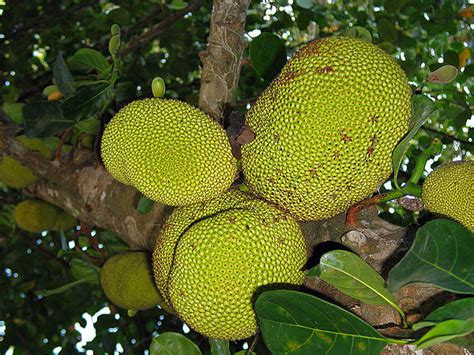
(170, 151)
(16, 175)
(35, 216)
(127, 281)
(326, 128)
(211, 259)
(449, 191)
(64, 221)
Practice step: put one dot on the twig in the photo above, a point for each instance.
(137, 42)
(446, 135)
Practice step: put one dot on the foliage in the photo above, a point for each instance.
(62, 70)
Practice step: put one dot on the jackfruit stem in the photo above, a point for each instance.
(421, 160)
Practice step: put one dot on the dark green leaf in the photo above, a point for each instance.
(314, 271)
(443, 75)
(14, 111)
(90, 126)
(304, 18)
(63, 76)
(394, 5)
(244, 352)
(460, 309)
(387, 30)
(422, 108)
(446, 331)
(358, 32)
(82, 270)
(353, 276)
(92, 59)
(268, 55)
(219, 346)
(441, 255)
(145, 205)
(298, 323)
(44, 118)
(46, 293)
(88, 102)
(173, 344)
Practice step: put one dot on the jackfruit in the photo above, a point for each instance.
(35, 216)
(64, 221)
(16, 175)
(210, 259)
(326, 128)
(127, 281)
(449, 191)
(170, 151)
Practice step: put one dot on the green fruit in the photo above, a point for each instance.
(35, 216)
(13, 173)
(170, 151)
(128, 282)
(210, 260)
(326, 128)
(64, 221)
(449, 190)
(158, 87)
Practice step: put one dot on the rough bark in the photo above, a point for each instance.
(222, 60)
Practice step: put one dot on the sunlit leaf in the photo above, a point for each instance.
(173, 344)
(91, 58)
(293, 322)
(445, 331)
(441, 255)
(422, 108)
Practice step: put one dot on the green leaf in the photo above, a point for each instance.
(90, 126)
(387, 30)
(394, 5)
(422, 108)
(314, 271)
(460, 309)
(83, 241)
(354, 277)
(46, 293)
(305, 4)
(244, 352)
(63, 77)
(92, 59)
(441, 255)
(298, 323)
(82, 270)
(173, 344)
(145, 205)
(88, 102)
(358, 32)
(44, 118)
(219, 346)
(446, 331)
(268, 55)
(14, 111)
(443, 75)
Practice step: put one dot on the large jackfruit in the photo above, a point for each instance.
(210, 260)
(170, 151)
(127, 281)
(449, 191)
(326, 128)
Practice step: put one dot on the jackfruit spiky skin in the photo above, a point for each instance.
(222, 258)
(35, 216)
(170, 151)
(449, 191)
(16, 175)
(326, 128)
(127, 281)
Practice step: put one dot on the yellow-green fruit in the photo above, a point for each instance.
(16, 175)
(170, 151)
(35, 216)
(220, 255)
(326, 128)
(127, 281)
(64, 221)
(449, 191)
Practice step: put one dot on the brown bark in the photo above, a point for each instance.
(222, 60)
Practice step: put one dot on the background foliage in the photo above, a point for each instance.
(422, 35)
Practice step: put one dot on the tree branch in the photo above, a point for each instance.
(446, 135)
(137, 42)
(222, 60)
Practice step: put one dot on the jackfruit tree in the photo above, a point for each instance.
(231, 177)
